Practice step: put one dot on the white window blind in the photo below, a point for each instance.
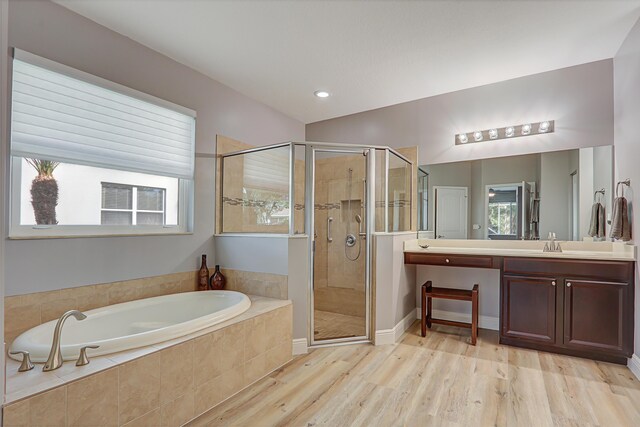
(267, 170)
(65, 115)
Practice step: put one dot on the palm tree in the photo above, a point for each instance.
(44, 191)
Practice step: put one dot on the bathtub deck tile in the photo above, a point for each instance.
(25, 384)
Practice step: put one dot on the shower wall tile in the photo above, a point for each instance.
(23, 312)
(168, 387)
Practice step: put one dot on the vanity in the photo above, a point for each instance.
(578, 302)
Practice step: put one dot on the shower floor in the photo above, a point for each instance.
(328, 325)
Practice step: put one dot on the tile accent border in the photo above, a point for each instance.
(168, 387)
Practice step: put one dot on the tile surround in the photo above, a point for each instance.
(23, 312)
(172, 385)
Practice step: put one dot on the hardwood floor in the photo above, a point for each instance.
(438, 380)
(334, 325)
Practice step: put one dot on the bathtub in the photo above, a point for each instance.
(134, 324)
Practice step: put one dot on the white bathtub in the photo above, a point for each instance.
(134, 324)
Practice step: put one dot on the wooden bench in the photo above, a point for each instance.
(429, 292)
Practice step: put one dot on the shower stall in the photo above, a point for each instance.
(338, 196)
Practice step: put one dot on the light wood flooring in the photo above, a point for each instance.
(335, 325)
(438, 380)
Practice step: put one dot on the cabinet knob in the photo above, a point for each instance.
(553, 283)
(446, 260)
(568, 284)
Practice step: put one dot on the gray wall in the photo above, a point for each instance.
(627, 145)
(579, 98)
(51, 31)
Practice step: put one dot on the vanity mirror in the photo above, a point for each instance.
(516, 198)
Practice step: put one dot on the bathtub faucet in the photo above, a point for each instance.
(55, 356)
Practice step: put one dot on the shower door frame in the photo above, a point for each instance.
(369, 213)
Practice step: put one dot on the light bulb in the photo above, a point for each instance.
(321, 93)
(526, 129)
(463, 138)
(544, 127)
(477, 136)
(493, 133)
(509, 132)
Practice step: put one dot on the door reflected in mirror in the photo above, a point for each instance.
(516, 198)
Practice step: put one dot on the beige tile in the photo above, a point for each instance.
(20, 318)
(179, 411)
(255, 341)
(255, 368)
(207, 395)
(54, 309)
(139, 387)
(150, 419)
(49, 408)
(16, 414)
(208, 350)
(176, 367)
(93, 401)
(278, 356)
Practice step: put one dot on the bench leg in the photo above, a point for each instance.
(474, 314)
(423, 321)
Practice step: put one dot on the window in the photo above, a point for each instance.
(90, 157)
(503, 213)
(129, 205)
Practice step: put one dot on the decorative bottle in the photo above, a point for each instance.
(203, 275)
(217, 281)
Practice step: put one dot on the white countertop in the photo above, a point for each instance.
(607, 251)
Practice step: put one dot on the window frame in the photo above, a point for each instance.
(186, 187)
(19, 231)
(134, 202)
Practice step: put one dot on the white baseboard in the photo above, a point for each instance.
(634, 365)
(392, 336)
(300, 346)
(484, 322)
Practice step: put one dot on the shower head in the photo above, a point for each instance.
(358, 219)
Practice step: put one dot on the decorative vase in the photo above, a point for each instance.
(203, 275)
(217, 281)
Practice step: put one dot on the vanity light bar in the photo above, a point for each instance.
(507, 132)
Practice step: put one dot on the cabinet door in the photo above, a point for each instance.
(529, 308)
(595, 315)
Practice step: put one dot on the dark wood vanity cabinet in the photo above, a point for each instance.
(569, 306)
(595, 316)
(529, 308)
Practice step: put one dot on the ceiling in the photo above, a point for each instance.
(366, 54)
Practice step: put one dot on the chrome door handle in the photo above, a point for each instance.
(329, 221)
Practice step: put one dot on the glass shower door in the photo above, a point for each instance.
(341, 256)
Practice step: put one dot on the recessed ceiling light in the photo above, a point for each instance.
(321, 93)
(526, 129)
(463, 138)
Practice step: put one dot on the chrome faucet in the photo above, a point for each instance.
(55, 355)
(552, 245)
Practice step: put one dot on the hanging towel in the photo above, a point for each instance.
(597, 226)
(620, 225)
(535, 210)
